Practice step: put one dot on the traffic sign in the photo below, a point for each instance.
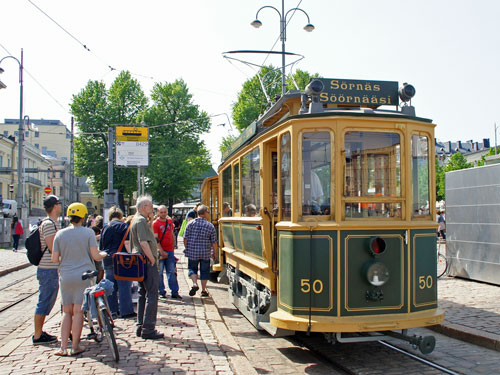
(47, 190)
(132, 146)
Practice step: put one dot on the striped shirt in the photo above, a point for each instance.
(47, 229)
(200, 235)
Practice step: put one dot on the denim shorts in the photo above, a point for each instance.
(204, 268)
(48, 281)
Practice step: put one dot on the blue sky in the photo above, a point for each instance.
(449, 50)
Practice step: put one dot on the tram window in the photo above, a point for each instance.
(286, 179)
(372, 164)
(250, 183)
(373, 210)
(420, 175)
(227, 187)
(236, 170)
(316, 173)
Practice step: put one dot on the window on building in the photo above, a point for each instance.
(37, 145)
(286, 178)
(27, 134)
(420, 175)
(316, 173)
(1, 161)
(37, 134)
(5, 133)
(250, 183)
(16, 133)
(44, 150)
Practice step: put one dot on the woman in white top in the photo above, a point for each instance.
(75, 249)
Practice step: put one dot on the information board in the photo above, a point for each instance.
(132, 146)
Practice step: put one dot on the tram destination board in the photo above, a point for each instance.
(349, 92)
(132, 146)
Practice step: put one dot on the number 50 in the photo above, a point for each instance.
(305, 286)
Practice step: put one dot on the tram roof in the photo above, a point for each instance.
(279, 112)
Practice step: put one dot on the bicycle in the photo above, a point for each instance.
(442, 261)
(105, 322)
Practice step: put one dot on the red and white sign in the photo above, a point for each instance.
(47, 190)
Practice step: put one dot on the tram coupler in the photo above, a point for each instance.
(425, 344)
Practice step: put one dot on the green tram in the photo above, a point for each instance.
(332, 227)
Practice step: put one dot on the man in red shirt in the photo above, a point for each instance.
(163, 229)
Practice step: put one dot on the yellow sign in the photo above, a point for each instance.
(132, 133)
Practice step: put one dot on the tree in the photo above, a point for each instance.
(95, 109)
(252, 101)
(177, 154)
(455, 162)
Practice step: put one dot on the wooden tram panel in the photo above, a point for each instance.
(339, 243)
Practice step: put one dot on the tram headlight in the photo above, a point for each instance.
(377, 245)
(314, 88)
(406, 92)
(377, 273)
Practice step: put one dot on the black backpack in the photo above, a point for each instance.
(34, 247)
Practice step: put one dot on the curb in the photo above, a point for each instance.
(16, 268)
(470, 335)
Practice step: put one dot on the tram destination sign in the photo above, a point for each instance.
(350, 92)
(132, 146)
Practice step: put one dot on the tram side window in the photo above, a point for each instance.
(250, 183)
(227, 189)
(236, 171)
(372, 169)
(316, 173)
(420, 175)
(286, 179)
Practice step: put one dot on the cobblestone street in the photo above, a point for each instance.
(209, 336)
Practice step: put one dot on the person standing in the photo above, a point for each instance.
(200, 241)
(143, 241)
(17, 231)
(48, 279)
(163, 229)
(177, 228)
(112, 237)
(226, 209)
(442, 225)
(75, 251)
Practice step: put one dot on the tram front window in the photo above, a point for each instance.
(316, 173)
(420, 175)
(372, 170)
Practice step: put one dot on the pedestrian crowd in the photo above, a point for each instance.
(89, 244)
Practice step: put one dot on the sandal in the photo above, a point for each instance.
(205, 294)
(62, 353)
(80, 350)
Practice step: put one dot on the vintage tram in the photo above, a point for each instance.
(332, 229)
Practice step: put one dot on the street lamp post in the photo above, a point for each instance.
(283, 16)
(20, 158)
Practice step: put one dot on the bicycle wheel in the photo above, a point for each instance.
(110, 336)
(442, 265)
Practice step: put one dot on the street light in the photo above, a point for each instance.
(308, 27)
(20, 179)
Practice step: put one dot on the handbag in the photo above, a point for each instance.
(129, 267)
(126, 266)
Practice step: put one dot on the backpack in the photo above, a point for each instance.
(34, 247)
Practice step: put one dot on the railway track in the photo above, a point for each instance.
(345, 357)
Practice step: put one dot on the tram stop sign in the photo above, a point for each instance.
(47, 190)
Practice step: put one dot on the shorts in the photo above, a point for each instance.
(48, 283)
(204, 268)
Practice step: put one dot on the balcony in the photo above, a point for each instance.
(33, 180)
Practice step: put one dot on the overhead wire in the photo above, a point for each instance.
(38, 83)
(111, 68)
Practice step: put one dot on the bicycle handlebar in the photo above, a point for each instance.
(88, 274)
